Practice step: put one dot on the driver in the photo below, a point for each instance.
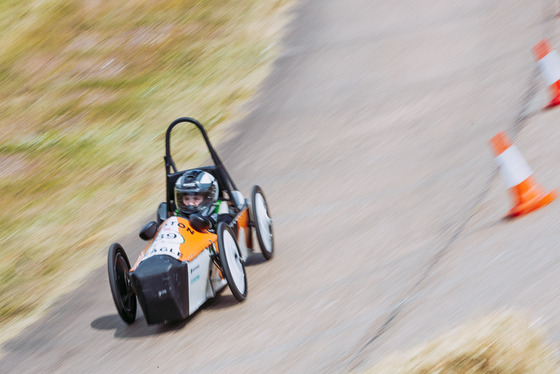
(196, 192)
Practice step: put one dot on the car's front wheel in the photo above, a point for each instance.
(231, 261)
(119, 280)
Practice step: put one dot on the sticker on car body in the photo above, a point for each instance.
(168, 241)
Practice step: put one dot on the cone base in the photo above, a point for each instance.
(533, 204)
(554, 102)
(555, 94)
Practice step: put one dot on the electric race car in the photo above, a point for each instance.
(186, 262)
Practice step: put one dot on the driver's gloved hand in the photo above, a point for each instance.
(200, 222)
(227, 218)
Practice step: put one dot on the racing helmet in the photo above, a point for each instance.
(196, 191)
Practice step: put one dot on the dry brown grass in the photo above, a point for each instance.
(504, 343)
(87, 90)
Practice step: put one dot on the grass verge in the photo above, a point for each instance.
(503, 343)
(87, 91)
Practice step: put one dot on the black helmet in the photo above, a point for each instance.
(196, 191)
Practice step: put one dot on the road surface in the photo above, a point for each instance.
(370, 140)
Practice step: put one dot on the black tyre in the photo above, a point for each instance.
(263, 222)
(119, 280)
(232, 262)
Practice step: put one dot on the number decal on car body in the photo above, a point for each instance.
(168, 241)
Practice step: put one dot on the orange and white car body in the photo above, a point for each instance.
(176, 238)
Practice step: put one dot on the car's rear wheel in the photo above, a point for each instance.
(121, 286)
(232, 262)
(263, 222)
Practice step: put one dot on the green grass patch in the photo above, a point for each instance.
(87, 91)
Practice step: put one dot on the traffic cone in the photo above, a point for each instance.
(518, 177)
(549, 65)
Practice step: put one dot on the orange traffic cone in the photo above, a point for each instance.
(549, 65)
(518, 177)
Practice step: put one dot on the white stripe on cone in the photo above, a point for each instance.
(514, 169)
(550, 67)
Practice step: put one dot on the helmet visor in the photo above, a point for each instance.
(189, 202)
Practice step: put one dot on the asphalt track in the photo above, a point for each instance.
(370, 140)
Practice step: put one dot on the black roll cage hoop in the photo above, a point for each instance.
(219, 169)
